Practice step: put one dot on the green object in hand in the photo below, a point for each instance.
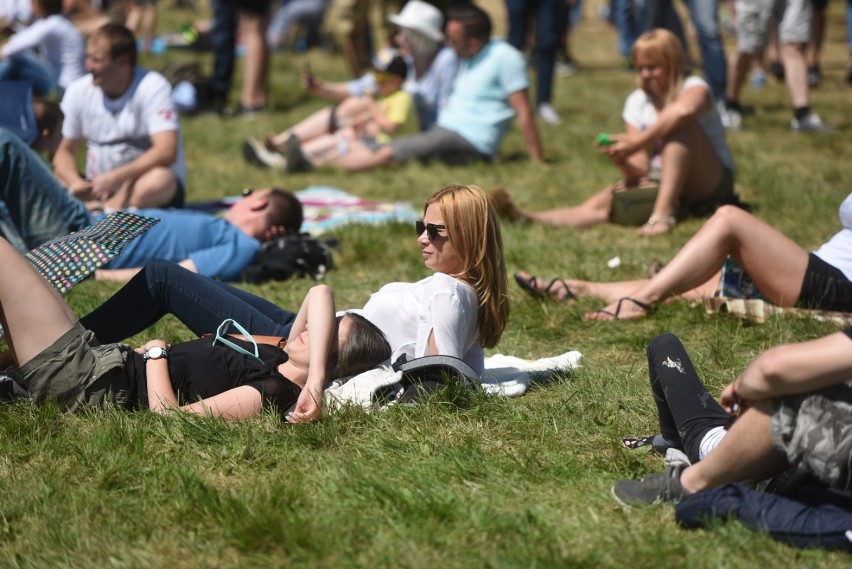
(603, 139)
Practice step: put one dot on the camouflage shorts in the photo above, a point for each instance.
(815, 430)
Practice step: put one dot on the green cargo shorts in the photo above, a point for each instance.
(77, 370)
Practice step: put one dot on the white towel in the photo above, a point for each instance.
(510, 376)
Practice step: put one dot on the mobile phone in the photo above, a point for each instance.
(603, 139)
(306, 70)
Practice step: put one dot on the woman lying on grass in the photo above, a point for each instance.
(671, 116)
(783, 272)
(224, 377)
(459, 310)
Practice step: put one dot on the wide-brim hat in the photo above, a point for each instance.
(421, 17)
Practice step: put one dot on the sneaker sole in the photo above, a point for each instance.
(251, 156)
(624, 505)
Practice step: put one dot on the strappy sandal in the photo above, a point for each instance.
(530, 285)
(647, 308)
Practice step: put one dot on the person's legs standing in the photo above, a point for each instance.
(224, 38)
(254, 20)
(705, 17)
(551, 19)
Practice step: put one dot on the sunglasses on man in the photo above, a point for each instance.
(431, 229)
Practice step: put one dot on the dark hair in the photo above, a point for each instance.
(48, 115)
(476, 22)
(365, 348)
(120, 39)
(51, 7)
(285, 209)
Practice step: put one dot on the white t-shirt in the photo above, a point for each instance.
(837, 251)
(59, 43)
(408, 312)
(640, 113)
(16, 13)
(118, 131)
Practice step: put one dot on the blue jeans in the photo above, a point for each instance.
(162, 287)
(34, 207)
(705, 17)
(626, 17)
(550, 22)
(27, 66)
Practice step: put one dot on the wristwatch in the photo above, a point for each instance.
(155, 353)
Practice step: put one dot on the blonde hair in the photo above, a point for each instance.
(474, 231)
(663, 47)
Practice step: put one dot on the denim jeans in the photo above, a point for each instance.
(27, 66)
(224, 39)
(685, 408)
(162, 287)
(34, 207)
(550, 22)
(705, 17)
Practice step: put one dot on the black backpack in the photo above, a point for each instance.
(289, 255)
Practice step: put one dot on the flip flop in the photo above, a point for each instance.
(647, 308)
(530, 285)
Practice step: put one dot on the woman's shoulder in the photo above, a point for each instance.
(695, 81)
(442, 282)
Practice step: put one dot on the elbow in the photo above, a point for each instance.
(771, 366)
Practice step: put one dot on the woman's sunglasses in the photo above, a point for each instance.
(430, 228)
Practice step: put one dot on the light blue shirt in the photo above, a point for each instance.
(216, 246)
(478, 108)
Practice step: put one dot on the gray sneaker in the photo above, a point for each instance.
(809, 123)
(256, 153)
(654, 489)
(731, 118)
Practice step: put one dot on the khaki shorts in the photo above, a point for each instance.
(76, 370)
(755, 17)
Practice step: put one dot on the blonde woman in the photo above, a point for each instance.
(458, 311)
(672, 131)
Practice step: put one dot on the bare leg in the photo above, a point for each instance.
(319, 123)
(611, 292)
(362, 158)
(252, 30)
(33, 314)
(775, 263)
(691, 172)
(593, 211)
(796, 73)
(155, 188)
(738, 66)
(745, 454)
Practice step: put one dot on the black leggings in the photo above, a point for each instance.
(686, 409)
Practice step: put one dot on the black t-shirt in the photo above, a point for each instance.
(198, 370)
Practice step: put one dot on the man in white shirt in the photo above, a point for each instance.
(134, 153)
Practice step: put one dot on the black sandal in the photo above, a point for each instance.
(647, 308)
(530, 285)
(637, 442)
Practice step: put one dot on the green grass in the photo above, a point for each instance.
(480, 483)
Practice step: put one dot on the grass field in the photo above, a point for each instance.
(475, 483)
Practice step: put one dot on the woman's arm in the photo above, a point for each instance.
(635, 165)
(161, 392)
(317, 315)
(685, 108)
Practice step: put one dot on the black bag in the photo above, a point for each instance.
(289, 255)
(429, 374)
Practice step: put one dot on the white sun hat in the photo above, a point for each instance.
(421, 17)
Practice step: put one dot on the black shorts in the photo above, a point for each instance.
(825, 287)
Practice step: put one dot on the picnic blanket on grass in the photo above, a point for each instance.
(759, 310)
(327, 208)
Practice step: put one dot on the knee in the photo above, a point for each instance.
(663, 343)
(158, 274)
(728, 218)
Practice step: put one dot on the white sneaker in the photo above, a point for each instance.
(256, 153)
(548, 114)
(731, 118)
(809, 123)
